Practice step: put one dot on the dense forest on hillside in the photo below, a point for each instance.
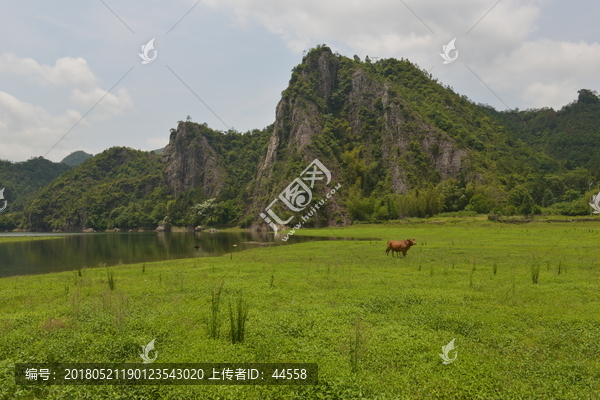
(401, 144)
(76, 158)
(125, 189)
(119, 187)
(571, 135)
(21, 182)
(508, 174)
(238, 156)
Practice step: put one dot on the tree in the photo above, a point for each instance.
(587, 96)
(520, 198)
(479, 204)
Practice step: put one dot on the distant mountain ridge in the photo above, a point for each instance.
(399, 142)
(22, 180)
(76, 158)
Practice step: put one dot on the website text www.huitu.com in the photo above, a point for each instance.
(313, 210)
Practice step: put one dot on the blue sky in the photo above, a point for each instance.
(57, 59)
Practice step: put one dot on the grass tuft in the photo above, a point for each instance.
(111, 279)
(559, 267)
(535, 273)
(237, 321)
(357, 345)
(214, 323)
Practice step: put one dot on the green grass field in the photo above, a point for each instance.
(6, 239)
(374, 324)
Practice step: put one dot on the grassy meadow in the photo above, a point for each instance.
(6, 239)
(522, 302)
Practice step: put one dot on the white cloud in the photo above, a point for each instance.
(111, 104)
(383, 26)
(66, 71)
(533, 73)
(27, 130)
(546, 73)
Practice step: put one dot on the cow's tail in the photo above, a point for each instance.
(387, 250)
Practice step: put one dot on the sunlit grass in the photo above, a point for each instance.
(374, 324)
(6, 239)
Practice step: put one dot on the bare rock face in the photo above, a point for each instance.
(190, 162)
(401, 134)
(296, 119)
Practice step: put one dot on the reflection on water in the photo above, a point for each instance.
(74, 251)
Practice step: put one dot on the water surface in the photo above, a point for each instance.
(79, 250)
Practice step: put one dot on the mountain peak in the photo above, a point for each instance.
(76, 158)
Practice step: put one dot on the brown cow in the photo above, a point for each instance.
(399, 246)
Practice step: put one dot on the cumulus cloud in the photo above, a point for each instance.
(67, 70)
(383, 26)
(546, 73)
(494, 38)
(27, 130)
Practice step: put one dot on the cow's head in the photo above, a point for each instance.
(412, 242)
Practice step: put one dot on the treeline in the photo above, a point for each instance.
(122, 188)
(119, 188)
(571, 135)
(22, 180)
(556, 194)
(519, 162)
(238, 155)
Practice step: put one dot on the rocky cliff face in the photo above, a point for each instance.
(381, 129)
(296, 120)
(410, 151)
(376, 129)
(191, 163)
(404, 134)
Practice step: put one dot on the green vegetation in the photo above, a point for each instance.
(214, 322)
(237, 319)
(76, 158)
(21, 182)
(508, 172)
(571, 135)
(374, 324)
(520, 175)
(5, 239)
(530, 162)
(119, 188)
(238, 156)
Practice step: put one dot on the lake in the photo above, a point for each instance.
(78, 250)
